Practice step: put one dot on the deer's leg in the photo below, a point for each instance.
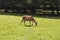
(21, 21)
(30, 22)
(35, 23)
(24, 23)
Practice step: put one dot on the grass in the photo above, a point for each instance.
(47, 29)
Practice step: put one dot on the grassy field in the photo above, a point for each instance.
(47, 29)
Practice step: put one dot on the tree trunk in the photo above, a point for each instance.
(52, 8)
(44, 8)
(57, 9)
(53, 12)
(5, 10)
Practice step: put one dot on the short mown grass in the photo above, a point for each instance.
(11, 29)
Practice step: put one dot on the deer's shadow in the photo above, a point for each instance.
(29, 26)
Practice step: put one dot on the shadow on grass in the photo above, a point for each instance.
(34, 15)
(29, 26)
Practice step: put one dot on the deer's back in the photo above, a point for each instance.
(27, 17)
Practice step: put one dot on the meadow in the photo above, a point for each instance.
(10, 28)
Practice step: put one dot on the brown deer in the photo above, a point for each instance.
(28, 18)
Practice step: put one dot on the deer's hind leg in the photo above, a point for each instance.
(24, 23)
(21, 21)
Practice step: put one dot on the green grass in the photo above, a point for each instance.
(47, 29)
